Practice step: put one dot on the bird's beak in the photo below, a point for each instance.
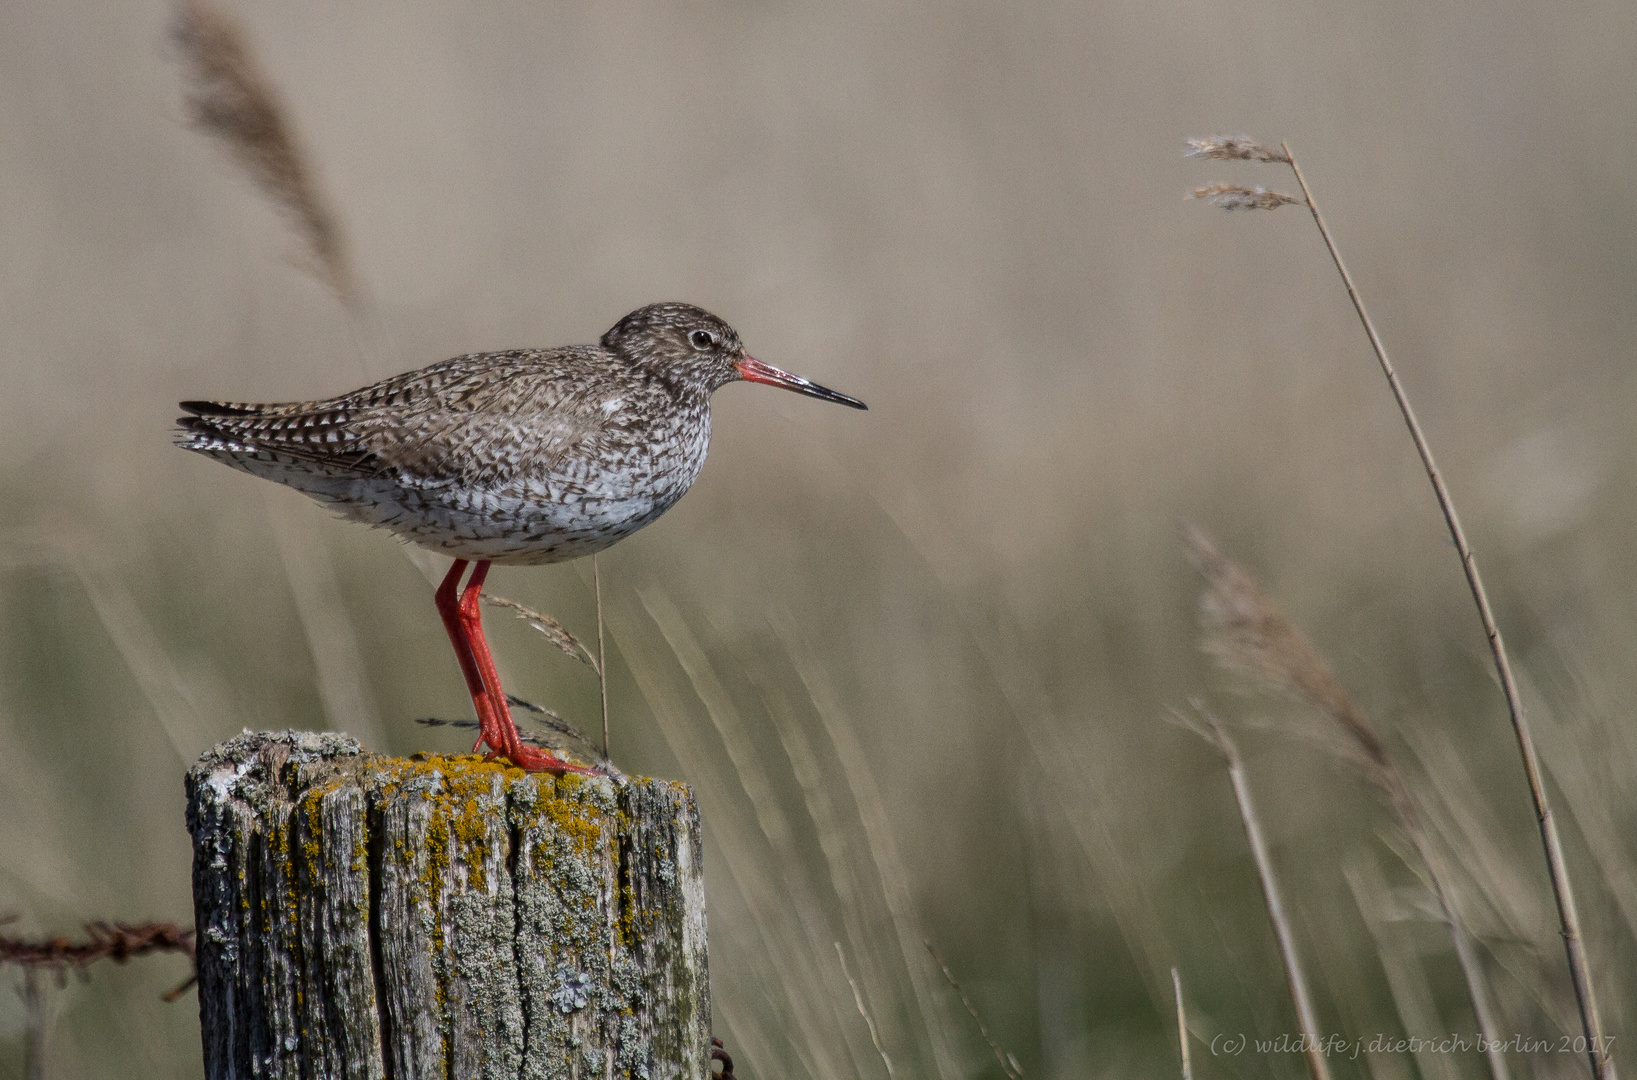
(753, 370)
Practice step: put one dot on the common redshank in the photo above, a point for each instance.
(523, 457)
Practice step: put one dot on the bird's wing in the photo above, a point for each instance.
(484, 417)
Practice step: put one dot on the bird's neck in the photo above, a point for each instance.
(687, 388)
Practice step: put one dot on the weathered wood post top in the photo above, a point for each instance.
(442, 917)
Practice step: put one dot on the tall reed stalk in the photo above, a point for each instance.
(1242, 148)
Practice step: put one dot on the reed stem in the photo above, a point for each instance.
(1562, 891)
(1312, 1043)
(602, 666)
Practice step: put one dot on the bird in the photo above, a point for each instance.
(522, 457)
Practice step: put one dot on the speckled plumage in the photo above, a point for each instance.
(527, 456)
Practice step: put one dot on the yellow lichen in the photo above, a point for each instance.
(576, 820)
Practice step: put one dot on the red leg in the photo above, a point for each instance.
(449, 609)
(502, 737)
(511, 745)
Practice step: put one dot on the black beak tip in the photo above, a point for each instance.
(753, 370)
(824, 393)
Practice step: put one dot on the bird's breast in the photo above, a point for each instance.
(621, 479)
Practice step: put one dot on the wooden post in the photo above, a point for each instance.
(442, 917)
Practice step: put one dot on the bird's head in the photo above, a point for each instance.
(689, 344)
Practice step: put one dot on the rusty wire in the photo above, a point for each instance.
(719, 1054)
(118, 942)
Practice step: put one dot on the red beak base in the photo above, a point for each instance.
(753, 370)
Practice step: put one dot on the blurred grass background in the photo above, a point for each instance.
(916, 662)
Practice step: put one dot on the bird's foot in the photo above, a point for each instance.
(527, 757)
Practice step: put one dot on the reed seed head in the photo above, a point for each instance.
(1236, 197)
(231, 98)
(1239, 147)
(1246, 632)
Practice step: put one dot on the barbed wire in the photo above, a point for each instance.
(114, 941)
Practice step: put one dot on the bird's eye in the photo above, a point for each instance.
(702, 339)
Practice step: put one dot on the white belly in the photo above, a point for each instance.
(538, 520)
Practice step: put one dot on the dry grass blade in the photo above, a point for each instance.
(562, 731)
(343, 681)
(231, 98)
(1239, 197)
(1008, 1063)
(1182, 1026)
(820, 800)
(547, 718)
(1239, 147)
(756, 873)
(869, 1021)
(1063, 767)
(36, 1025)
(760, 786)
(602, 659)
(555, 632)
(172, 697)
(872, 815)
(1400, 960)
